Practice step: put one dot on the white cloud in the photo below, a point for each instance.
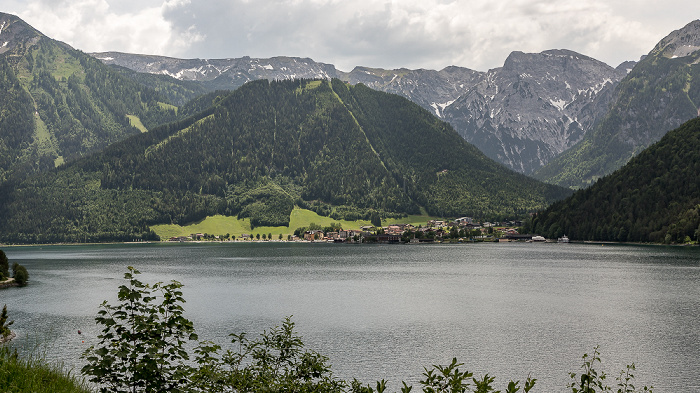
(477, 34)
(96, 25)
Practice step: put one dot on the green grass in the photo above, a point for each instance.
(136, 122)
(66, 65)
(309, 86)
(19, 375)
(167, 106)
(217, 225)
(45, 143)
(221, 225)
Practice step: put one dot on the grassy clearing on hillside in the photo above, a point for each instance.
(136, 122)
(221, 225)
(46, 144)
(309, 86)
(167, 106)
(65, 66)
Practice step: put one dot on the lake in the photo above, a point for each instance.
(386, 311)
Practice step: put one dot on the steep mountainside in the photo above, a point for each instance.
(655, 197)
(340, 150)
(59, 104)
(535, 107)
(433, 90)
(521, 115)
(658, 95)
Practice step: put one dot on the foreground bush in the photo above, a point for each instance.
(142, 348)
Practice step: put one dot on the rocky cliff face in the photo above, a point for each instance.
(522, 114)
(433, 90)
(534, 107)
(15, 32)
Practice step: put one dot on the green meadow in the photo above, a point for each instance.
(221, 225)
(136, 122)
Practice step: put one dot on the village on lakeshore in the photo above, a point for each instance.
(463, 229)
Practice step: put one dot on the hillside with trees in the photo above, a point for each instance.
(654, 198)
(342, 151)
(59, 104)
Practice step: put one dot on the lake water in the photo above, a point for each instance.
(387, 311)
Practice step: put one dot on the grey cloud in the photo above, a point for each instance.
(326, 32)
(478, 34)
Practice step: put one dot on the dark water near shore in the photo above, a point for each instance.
(386, 311)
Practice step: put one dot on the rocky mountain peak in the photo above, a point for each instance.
(626, 66)
(680, 43)
(14, 31)
(516, 58)
(534, 107)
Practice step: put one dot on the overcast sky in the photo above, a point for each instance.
(477, 34)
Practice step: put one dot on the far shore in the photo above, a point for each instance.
(4, 284)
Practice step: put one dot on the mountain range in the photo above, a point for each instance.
(59, 104)
(522, 114)
(556, 106)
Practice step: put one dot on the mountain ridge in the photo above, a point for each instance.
(660, 93)
(437, 91)
(534, 107)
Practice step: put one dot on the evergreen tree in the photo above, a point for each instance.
(4, 266)
(19, 273)
(4, 325)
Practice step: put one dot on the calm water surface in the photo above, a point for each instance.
(386, 311)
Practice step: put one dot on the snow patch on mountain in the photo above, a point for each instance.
(559, 104)
(439, 108)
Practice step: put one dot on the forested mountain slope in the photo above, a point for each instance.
(658, 95)
(59, 104)
(340, 150)
(654, 198)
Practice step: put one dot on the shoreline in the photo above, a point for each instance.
(587, 242)
(10, 282)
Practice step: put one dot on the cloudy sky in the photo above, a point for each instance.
(477, 34)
